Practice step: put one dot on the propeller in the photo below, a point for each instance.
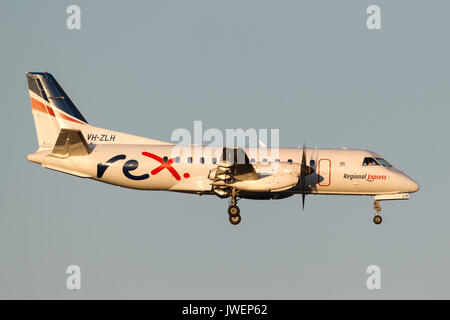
(305, 170)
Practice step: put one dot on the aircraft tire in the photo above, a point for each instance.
(233, 210)
(234, 220)
(377, 219)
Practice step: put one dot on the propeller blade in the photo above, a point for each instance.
(303, 175)
(303, 156)
(303, 201)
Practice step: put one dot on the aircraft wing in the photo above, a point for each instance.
(236, 172)
(235, 163)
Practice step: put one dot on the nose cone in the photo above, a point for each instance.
(412, 186)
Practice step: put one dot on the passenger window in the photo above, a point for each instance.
(202, 160)
(277, 160)
(252, 160)
(189, 159)
(290, 160)
(264, 160)
(214, 160)
(312, 163)
(165, 159)
(177, 159)
(369, 161)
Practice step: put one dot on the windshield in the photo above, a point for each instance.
(384, 163)
(369, 161)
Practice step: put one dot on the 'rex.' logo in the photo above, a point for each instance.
(131, 165)
(164, 165)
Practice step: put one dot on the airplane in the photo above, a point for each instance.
(67, 143)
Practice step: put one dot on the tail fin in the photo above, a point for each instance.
(53, 111)
(51, 107)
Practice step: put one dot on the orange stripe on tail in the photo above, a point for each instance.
(39, 106)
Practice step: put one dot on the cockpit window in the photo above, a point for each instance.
(384, 163)
(369, 161)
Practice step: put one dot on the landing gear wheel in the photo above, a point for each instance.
(377, 219)
(235, 219)
(233, 210)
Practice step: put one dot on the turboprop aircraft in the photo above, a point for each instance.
(67, 143)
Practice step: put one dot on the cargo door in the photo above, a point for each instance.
(324, 172)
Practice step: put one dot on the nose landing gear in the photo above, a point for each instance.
(377, 219)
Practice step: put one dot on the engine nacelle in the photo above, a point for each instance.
(275, 177)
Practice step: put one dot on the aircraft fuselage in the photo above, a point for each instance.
(152, 167)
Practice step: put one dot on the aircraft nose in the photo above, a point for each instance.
(412, 186)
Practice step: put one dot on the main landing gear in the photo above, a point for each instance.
(233, 209)
(377, 219)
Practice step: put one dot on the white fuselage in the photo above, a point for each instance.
(137, 166)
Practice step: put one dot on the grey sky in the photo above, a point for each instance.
(310, 68)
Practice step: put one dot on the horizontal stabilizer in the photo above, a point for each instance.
(71, 142)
